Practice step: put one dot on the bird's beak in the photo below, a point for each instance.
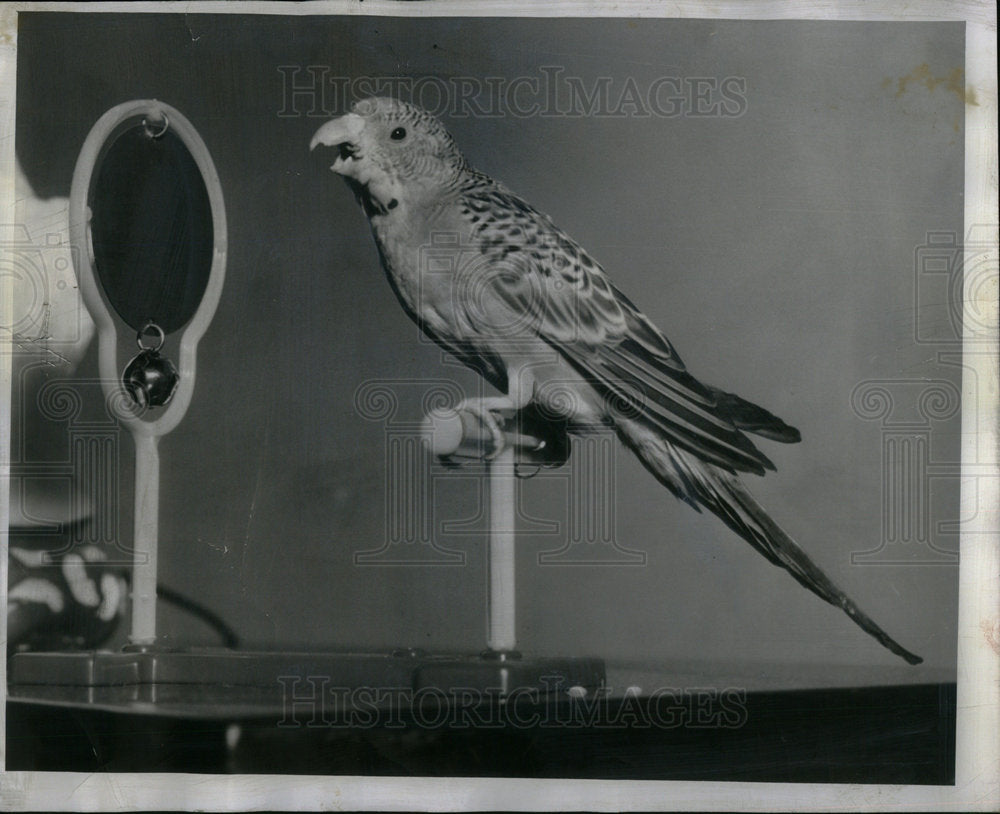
(344, 135)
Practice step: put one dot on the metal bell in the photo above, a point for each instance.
(150, 379)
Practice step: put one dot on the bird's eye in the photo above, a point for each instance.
(398, 134)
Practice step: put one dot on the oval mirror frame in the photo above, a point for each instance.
(99, 141)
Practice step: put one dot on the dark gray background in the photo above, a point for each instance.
(776, 250)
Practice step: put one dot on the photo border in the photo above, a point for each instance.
(977, 785)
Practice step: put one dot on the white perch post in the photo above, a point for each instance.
(501, 558)
(463, 435)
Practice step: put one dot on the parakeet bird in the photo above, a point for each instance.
(517, 299)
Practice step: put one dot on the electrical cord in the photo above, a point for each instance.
(229, 637)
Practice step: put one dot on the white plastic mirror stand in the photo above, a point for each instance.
(146, 432)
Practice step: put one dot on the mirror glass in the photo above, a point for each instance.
(151, 228)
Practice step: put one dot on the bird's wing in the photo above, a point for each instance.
(575, 308)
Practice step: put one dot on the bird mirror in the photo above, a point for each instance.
(147, 204)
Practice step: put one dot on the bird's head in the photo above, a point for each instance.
(390, 153)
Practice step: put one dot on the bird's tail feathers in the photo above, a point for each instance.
(768, 538)
(701, 484)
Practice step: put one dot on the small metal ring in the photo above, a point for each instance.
(149, 130)
(150, 326)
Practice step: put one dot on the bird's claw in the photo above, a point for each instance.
(487, 416)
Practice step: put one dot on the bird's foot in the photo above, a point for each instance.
(484, 409)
